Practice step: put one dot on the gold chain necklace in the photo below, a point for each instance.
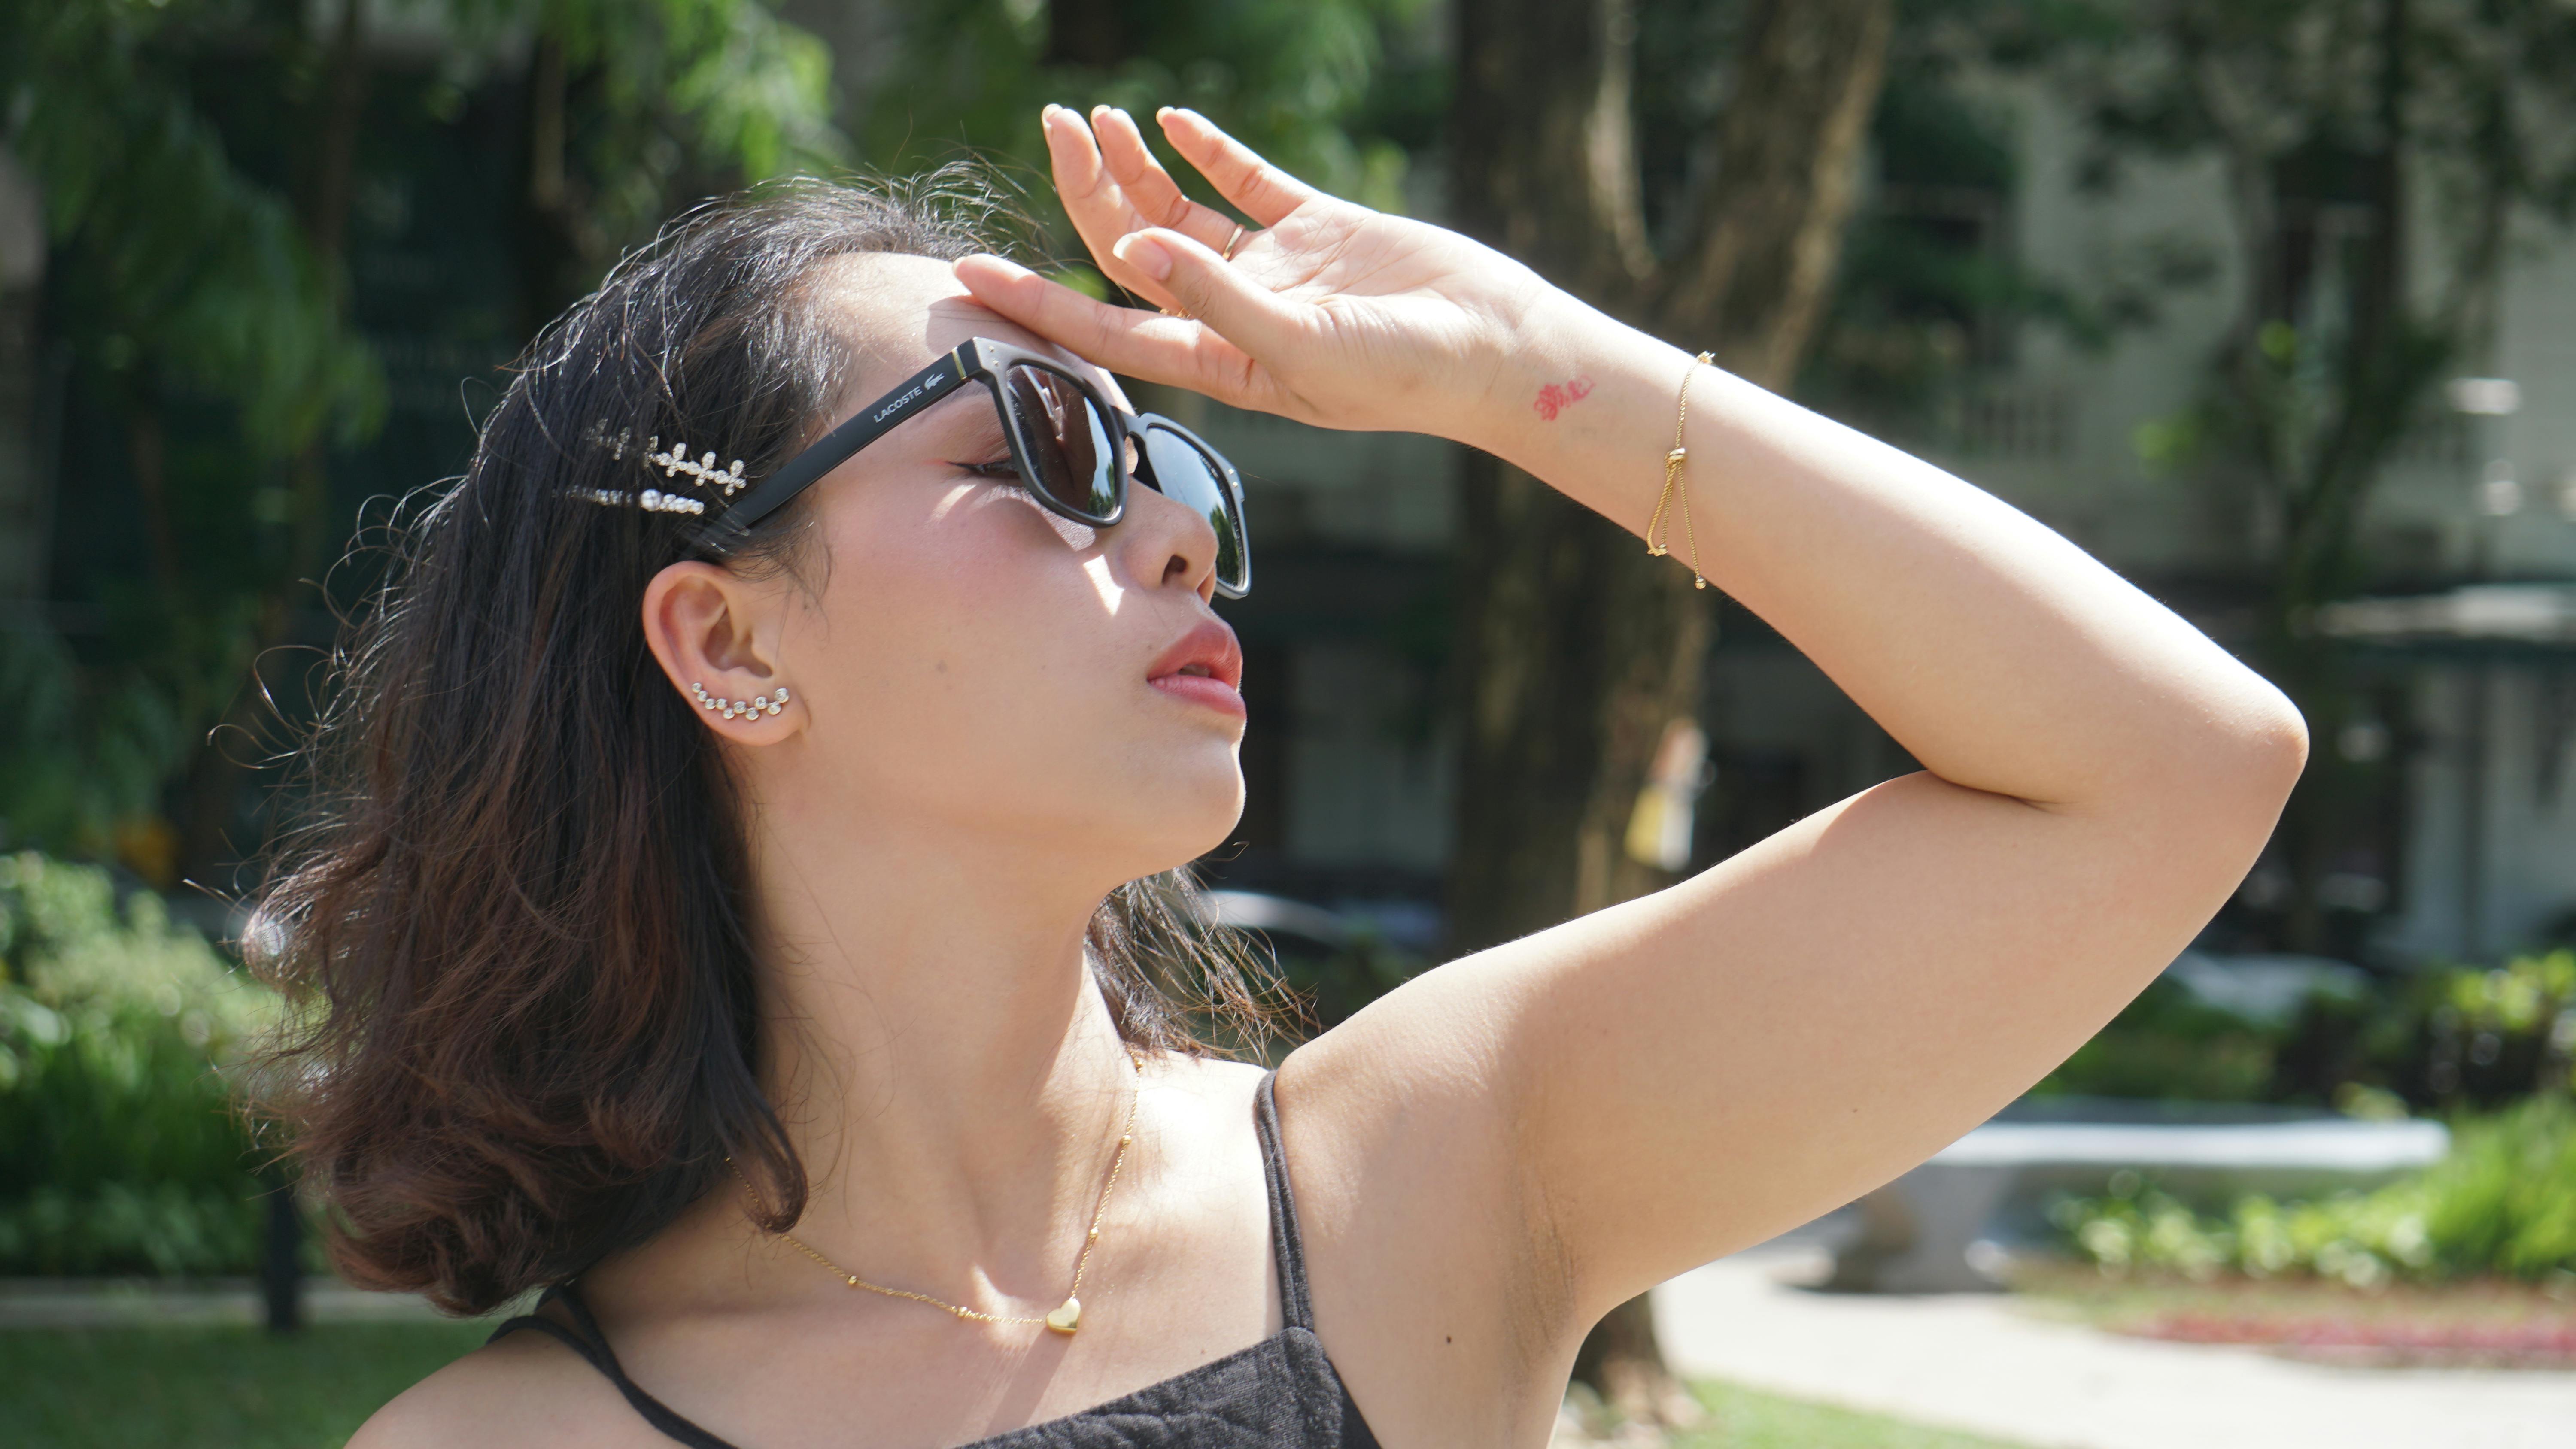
(1066, 1317)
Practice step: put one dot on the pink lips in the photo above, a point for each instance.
(1204, 667)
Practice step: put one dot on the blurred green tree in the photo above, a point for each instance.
(1340, 92)
(2378, 155)
(1934, 291)
(199, 161)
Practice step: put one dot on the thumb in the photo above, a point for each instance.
(1209, 288)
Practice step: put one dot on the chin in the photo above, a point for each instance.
(1185, 819)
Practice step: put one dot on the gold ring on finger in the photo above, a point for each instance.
(1177, 312)
(1232, 242)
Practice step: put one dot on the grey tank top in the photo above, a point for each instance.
(1280, 1393)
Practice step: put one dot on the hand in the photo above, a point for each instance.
(1331, 313)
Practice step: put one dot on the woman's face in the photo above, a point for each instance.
(971, 664)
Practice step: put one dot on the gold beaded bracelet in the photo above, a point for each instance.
(1673, 480)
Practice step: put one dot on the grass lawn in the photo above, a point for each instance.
(237, 1388)
(211, 1388)
(1749, 1419)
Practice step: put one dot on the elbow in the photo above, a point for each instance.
(2277, 738)
(2252, 758)
(2225, 767)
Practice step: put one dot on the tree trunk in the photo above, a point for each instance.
(1575, 647)
(24, 485)
(1089, 33)
(147, 449)
(554, 251)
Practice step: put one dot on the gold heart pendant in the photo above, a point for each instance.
(1067, 1316)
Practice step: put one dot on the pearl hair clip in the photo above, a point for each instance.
(651, 500)
(728, 708)
(675, 461)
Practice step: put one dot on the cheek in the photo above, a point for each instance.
(969, 656)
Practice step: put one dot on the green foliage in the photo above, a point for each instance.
(2450, 1039)
(92, 738)
(2502, 1202)
(119, 1148)
(187, 265)
(673, 93)
(2465, 1037)
(2389, 116)
(202, 297)
(1331, 90)
(2524, 996)
(1932, 299)
(2505, 1199)
(2168, 1045)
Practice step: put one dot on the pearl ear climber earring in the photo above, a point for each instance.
(728, 708)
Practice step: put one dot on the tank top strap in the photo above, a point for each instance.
(584, 1337)
(1296, 1307)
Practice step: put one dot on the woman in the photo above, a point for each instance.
(745, 901)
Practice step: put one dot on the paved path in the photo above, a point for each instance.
(1974, 1362)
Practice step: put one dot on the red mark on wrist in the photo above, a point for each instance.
(1556, 397)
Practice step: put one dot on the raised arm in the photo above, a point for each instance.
(1593, 1108)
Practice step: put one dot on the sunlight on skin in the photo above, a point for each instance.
(1107, 583)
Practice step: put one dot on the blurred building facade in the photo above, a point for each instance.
(2467, 847)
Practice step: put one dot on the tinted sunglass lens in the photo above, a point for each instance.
(1187, 476)
(1067, 439)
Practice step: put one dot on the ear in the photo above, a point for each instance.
(714, 632)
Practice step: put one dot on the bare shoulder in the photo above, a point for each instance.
(527, 1389)
(1217, 1080)
(1439, 1290)
(1417, 1070)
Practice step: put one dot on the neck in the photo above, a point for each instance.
(945, 1065)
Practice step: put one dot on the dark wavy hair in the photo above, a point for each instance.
(514, 916)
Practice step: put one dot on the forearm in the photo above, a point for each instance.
(2000, 655)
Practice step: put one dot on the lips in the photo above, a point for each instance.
(1204, 667)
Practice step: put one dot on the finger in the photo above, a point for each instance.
(1079, 173)
(1124, 340)
(1264, 192)
(1149, 188)
(1249, 314)
(1100, 211)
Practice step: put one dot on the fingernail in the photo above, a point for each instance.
(1144, 254)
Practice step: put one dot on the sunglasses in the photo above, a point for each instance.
(1070, 446)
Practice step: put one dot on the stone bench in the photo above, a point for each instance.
(1926, 1231)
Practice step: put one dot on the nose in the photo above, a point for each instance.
(1162, 542)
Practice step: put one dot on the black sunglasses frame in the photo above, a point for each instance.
(984, 360)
